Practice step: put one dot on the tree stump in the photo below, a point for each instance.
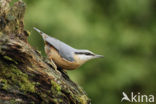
(25, 77)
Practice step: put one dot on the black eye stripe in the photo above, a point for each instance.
(85, 53)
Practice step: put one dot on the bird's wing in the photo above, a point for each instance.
(64, 50)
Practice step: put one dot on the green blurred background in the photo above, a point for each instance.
(124, 31)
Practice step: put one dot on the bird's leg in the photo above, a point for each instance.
(54, 65)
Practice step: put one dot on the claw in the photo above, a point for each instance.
(54, 65)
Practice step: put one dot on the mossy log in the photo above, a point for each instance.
(25, 77)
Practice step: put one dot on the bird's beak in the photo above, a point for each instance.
(98, 56)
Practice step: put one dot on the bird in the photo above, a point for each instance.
(125, 97)
(64, 56)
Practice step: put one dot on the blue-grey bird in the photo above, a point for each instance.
(63, 55)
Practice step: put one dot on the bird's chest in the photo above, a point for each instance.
(53, 54)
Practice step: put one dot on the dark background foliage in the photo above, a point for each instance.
(124, 31)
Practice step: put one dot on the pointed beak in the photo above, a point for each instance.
(98, 56)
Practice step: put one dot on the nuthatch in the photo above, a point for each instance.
(63, 55)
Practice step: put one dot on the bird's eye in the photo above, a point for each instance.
(84, 53)
(88, 53)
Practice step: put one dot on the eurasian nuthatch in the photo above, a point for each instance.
(63, 55)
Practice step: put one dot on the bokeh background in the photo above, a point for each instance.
(124, 31)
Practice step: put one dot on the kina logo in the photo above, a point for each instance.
(137, 98)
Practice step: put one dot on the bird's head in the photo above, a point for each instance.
(81, 56)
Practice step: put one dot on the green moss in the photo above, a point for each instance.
(55, 100)
(43, 95)
(1, 33)
(27, 85)
(60, 100)
(83, 99)
(4, 84)
(55, 88)
(12, 101)
(10, 59)
(37, 83)
(15, 77)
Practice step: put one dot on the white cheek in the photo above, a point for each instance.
(84, 57)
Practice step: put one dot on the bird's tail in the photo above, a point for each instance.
(40, 32)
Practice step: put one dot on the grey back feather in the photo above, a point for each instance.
(64, 50)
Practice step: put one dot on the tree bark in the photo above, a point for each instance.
(25, 77)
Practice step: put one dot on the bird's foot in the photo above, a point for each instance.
(53, 64)
(63, 72)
